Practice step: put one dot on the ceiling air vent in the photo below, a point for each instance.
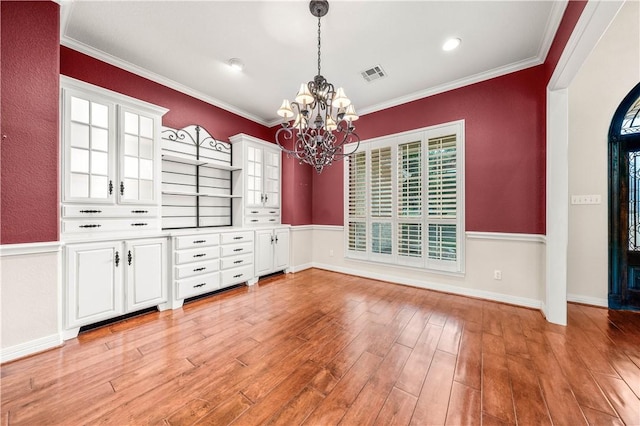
(373, 73)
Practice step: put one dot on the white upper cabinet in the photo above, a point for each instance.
(110, 146)
(261, 174)
(110, 160)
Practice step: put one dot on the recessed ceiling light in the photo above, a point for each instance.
(451, 44)
(236, 64)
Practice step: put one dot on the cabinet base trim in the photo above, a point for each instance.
(29, 348)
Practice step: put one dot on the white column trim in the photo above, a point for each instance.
(594, 21)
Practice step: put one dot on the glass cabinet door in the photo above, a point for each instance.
(255, 196)
(137, 158)
(272, 178)
(88, 136)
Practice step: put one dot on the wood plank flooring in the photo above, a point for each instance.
(321, 348)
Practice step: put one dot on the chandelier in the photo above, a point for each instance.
(319, 122)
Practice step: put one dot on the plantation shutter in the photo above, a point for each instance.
(409, 189)
(357, 204)
(381, 201)
(442, 198)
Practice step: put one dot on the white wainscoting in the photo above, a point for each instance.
(519, 257)
(30, 298)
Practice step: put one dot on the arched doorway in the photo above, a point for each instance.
(624, 204)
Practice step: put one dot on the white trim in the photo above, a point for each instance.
(469, 292)
(143, 72)
(301, 228)
(594, 21)
(592, 24)
(504, 236)
(588, 300)
(302, 267)
(553, 23)
(328, 228)
(30, 348)
(30, 248)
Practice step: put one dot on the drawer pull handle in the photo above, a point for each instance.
(90, 211)
(139, 211)
(238, 249)
(254, 211)
(238, 261)
(199, 285)
(199, 269)
(139, 224)
(199, 255)
(273, 212)
(199, 241)
(238, 276)
(89, 226)
(238, 238)
(272, 220)
(254, 220)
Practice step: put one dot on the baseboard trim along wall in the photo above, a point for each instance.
(588, 300)
(30, 347)
(481, 294)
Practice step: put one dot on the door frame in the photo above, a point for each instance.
(617, 254)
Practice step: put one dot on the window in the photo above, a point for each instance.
(404, 199)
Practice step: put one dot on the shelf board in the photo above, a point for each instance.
(200, 194)
(193, 161)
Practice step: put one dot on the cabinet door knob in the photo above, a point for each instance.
(121, 188)
(129, 257)
(110, 187)
(117, 259)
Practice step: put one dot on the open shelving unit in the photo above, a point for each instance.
(197, 179)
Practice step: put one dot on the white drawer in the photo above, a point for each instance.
(262, 220)
(236, 275)
(196, 255)
(262, 211)
(236, 237)
(198, 285)
(74, 211)
(235, 261)
(197, 240)
(235, 249)
(79, 226)
(199, 268)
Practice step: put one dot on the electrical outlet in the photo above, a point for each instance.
(497, 274)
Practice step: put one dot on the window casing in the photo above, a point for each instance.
(404, 199)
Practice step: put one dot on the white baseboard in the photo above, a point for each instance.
(30, 348)
(497, 297)
(299, 268)
(588, 300)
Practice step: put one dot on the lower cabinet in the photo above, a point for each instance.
(204, 262)
(272, 250)
(108, 279)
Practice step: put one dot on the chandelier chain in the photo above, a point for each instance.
(319, 45)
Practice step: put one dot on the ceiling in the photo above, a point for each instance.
(186, 45)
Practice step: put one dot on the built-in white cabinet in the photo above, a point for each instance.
(110, 160)
(108, 279)
(197, 179)
(272, 250)
(261, 174)
(205, 262)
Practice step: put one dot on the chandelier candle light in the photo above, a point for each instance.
(324, 116)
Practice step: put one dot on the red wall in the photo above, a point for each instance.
(504, 144)
(505, 169)
(183, 109)
(29, 111)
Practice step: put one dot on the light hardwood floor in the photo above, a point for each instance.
(321, 348)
